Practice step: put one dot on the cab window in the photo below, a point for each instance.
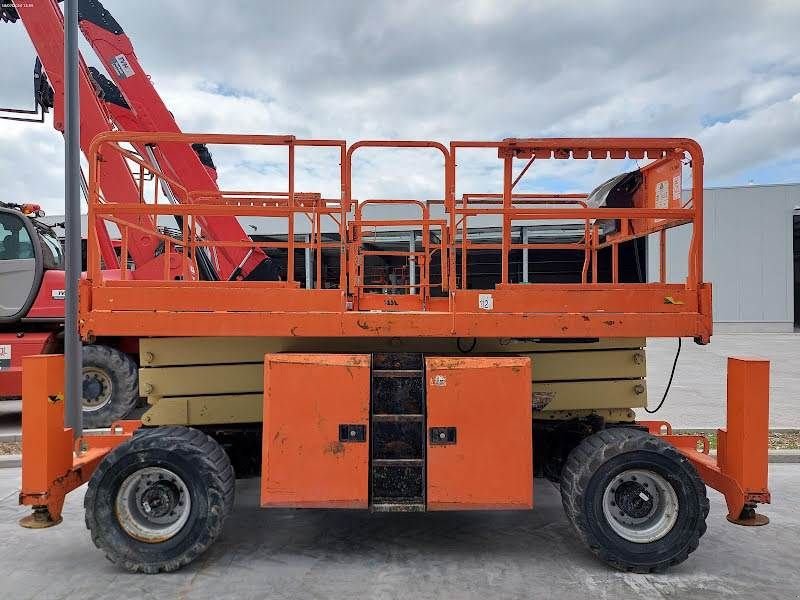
(15, 243)
(53, 254)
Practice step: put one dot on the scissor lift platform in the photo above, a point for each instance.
(440, 300)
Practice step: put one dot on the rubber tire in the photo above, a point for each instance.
(590, 467)
(124, 375)
(194, 457)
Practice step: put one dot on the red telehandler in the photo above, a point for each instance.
(31, 317)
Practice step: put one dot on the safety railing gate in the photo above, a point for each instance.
(410, 292)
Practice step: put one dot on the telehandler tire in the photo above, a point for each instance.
(159, 500)
(110, 385)
(634, 500)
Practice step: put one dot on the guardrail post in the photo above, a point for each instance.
(309, 264)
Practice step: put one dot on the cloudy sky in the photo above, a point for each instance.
(724, 72)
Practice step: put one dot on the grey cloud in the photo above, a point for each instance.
(462, 69)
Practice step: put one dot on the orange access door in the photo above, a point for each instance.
(480, 451)
(316, 427)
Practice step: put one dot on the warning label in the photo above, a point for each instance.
(662, 194)
(5, 356)
(122, 67)
(439, 380)
(676, 187)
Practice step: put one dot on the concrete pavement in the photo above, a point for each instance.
(10, 420)
(350, 555)
(697, 396)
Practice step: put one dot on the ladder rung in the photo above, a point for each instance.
(395, 418)
(397, 462)
(390, 505)
(397, 373)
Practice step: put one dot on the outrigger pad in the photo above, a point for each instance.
(40, 518)
(750, 518)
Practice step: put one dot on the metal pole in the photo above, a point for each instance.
(412, 264)
(72, 163)
(524, 255)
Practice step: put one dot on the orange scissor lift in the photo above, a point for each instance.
(635, 492)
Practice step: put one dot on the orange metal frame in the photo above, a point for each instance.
(740, 468)
(53, 463)
(167, 307)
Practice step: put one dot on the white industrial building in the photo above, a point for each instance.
(750, 256)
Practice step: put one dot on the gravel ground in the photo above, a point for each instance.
(778, 440)
(784, 440)
(10, 448)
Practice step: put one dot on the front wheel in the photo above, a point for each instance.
(159, 500)
(636, 502)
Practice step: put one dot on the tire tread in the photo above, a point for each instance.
(210, 460)
(583, 462)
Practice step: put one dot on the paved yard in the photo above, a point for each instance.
(10, 417)
(697, 397)
(350, 555)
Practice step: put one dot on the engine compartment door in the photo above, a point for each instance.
(316, 431)
(479, 446)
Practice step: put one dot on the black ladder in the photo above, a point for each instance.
(397, 423)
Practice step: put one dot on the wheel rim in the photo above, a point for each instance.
(153, 504)
(97, 388)
(640, 506)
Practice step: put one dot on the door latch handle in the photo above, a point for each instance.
(441, 436)
(352, 433)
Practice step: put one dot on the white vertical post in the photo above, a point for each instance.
(309, 265)
(524, 255)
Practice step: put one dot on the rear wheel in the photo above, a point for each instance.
(110, 385)
(158, 501)
(636, 502)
